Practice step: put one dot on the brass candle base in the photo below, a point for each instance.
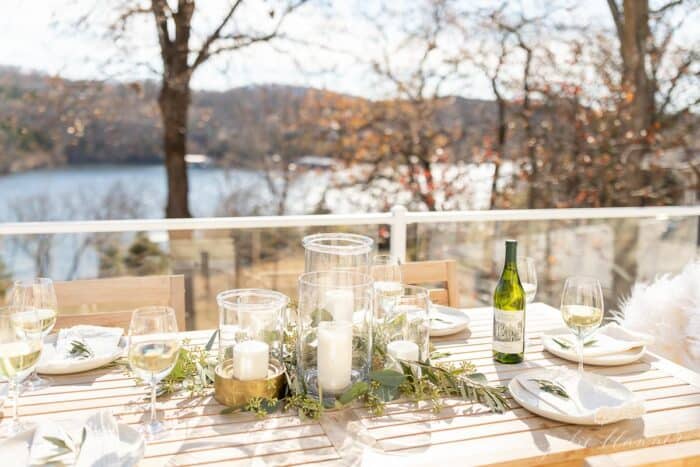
(232, 392)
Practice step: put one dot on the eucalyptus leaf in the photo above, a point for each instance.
(387, 393)
(212, 339)
(356, 390)
(58, 442)
(477, 377)
(388, 378)
(320, 314)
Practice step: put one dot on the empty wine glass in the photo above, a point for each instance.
(153, 351)
(528, 277)
(582, 310)
(386, 274)
(20, 349)
(39, 296)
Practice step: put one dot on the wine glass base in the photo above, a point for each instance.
(12, 428)
(35, 383)
(155, 430)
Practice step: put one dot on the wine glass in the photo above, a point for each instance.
(20, 349)
(153, 351)
(582, 310)
(39, 295)
(528, 277)
(413, 309)
(386, 273)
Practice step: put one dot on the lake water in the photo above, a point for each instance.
(147, 183)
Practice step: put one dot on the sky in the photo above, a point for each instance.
(37, 35)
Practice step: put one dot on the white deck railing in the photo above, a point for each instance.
(398, 219)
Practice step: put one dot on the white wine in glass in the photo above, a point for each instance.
(582, 310)
(153, 351)
(153, 359)
(39, 321)
(19, 354)
(582, 319)
(39, 295)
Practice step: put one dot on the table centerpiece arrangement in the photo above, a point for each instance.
(325, 351)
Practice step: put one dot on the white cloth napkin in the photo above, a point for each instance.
(102, 341)
(100, 449)
(592, 396)
(609, 340)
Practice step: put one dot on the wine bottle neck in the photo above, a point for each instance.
(511, 252)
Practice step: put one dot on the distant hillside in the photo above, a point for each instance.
(47, 121)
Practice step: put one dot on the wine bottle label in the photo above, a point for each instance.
(508, 329)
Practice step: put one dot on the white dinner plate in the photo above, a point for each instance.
(131, 447)
(611, 388)
(620, 358)
(445, 321)
(68, 366)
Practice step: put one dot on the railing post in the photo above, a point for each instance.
(398, 233)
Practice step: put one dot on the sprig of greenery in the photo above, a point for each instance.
(65, 447)
(566, 345)
(304, 404)
(261, 407)
(80, 350)
(433, 382)
(193, 371)
(551, 387)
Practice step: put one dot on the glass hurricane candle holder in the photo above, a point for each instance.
(404, 332)
(333, 251)
(334, 331)
(251, 322)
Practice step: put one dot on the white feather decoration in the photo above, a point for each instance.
(669, 309)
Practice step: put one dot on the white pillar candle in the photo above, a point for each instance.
(250, 360)
(334, 355)
(404, 350)
(340, 303)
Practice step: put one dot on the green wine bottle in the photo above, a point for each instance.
(509, 311)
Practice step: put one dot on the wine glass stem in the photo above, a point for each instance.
(153, 403)
(15, 395)
(579, 353)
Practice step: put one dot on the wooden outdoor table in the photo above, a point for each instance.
(461, 434)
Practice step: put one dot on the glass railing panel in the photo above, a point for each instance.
(619, 252)
(211, 260)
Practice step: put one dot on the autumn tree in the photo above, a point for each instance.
(185, 45)
(398, 147)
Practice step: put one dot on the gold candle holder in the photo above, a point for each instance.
(233, 392)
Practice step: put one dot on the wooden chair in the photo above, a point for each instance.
(110, 302)
(440, 277)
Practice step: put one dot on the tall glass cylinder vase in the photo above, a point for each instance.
(251, 322)
(333, 251)
(334, 331)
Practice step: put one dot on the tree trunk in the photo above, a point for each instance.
(637, 106)
(174, 102)
(637, 87)
(500, 142)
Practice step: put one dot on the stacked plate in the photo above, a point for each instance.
(612, 345)
(445, 321)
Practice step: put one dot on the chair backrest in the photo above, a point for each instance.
(440, 277)
(110, 301)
